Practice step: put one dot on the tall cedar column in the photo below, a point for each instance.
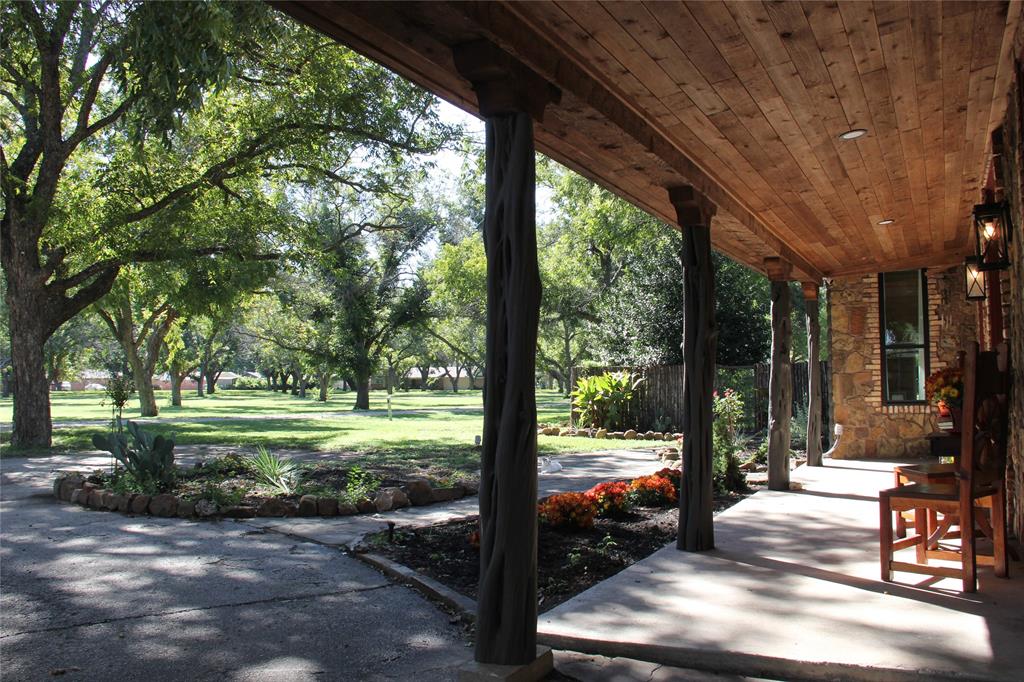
(700, 336)
(780, 384)
(813, 375)
(509, 97)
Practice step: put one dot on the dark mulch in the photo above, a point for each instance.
(569, 562)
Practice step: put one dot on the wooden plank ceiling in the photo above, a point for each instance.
(745, 101)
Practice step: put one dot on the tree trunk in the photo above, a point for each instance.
(700, 337)
(32, 425)
(211, 381)
(362, 392)
(176, 380)
(271, 381)
(507, 596)
(302, 384)
(780, 388)
(200, 380)
(5, 383)
(424, 377)
(813, 376)
(143, 386)
(325, 386)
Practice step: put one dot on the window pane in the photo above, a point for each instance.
(904, 369)
(904, 308)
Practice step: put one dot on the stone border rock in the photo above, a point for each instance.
(77, 489)
(631, 434)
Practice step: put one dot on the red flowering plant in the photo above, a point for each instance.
(945, 387)
(611, 498)
(568, 510)
(652, 491)
(673, 475)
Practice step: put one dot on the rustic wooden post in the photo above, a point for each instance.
(780, 383)
(700, 336)
(813, 375)
(510, 97)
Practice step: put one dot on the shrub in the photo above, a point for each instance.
(602, 399)
(359, 485)
(276, 472)
(725, 468)
(249, 384)
(118, 391)
(611, 498)
(652, 491)
(568, 510)
(798, 429)
(728, 410)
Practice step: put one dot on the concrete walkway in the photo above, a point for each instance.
(89, 595)
(793, 590)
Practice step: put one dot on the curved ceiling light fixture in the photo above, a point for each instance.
(853, 134)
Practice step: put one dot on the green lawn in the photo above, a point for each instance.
(82, 405)
(439, 438)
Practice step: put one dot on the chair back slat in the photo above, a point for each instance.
(985, 418)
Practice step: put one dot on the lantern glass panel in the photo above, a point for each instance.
(975, 280)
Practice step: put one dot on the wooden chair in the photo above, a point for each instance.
(977, 493)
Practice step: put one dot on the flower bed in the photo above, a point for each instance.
(194, 497)
(630, 434)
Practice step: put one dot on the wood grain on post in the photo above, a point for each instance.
(700, 338)
(510, 98)
(780, 384)
(810, 290)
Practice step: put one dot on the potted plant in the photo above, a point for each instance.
(945, 389)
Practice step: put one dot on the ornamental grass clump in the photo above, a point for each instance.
(574, 511)
(652, 491)
(611, 498)
(273, 471)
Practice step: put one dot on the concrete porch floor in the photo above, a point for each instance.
(792, 591)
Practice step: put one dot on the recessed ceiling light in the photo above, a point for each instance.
(853, 134)
(886, 221)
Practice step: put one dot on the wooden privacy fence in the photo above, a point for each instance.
(657, 403)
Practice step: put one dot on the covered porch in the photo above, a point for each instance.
(816, 143)
(791, 591)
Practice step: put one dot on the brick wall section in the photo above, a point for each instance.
(874, 430)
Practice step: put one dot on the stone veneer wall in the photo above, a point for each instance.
(874, 430)
(1012, 167)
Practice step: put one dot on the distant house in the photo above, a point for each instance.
(90, 380)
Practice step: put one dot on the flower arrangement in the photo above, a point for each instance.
(945, 387)
(611, 498)
(569, 510)
(652, 491)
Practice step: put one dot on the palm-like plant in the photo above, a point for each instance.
(276, 472)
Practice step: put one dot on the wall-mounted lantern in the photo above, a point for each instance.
(975, 277)
(991, 233)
